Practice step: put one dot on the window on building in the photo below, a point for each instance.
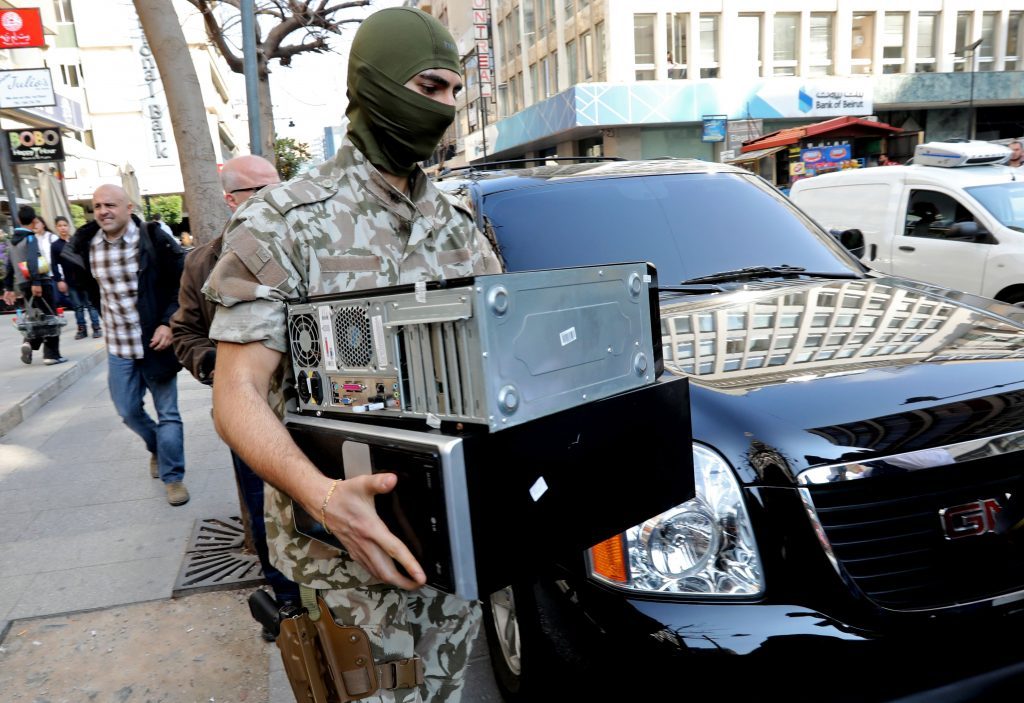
(675, 40)
(600, 55)
(709, 46)
(786, 38)
(862, 42)
(62, 11)
(570, 8)
(588, 56)
(1014, 41)
(584, 3)
(517, 31)
(70, 75)
(748, 45)
(550, 64)
(893, 42)
(573, 67)
(530, 25)
(963, 34)
(986, 51)
(820, 58)
(534, 84)
(927, 40)
(541, 13)
(643, 46)
(551, 15)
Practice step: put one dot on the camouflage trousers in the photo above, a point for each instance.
(437, 627)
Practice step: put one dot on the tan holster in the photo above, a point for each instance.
(328, 663)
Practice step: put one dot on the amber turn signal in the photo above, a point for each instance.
(609, 559)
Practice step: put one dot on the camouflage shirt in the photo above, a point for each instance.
(339, 227)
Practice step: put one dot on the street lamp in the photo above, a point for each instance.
(971, 49)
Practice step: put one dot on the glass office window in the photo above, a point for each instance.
(535, 84)
(927, 40)
(643, 46)
(600, 55)
(675, 40)
(570, 51)
(1014, 41)
(820, 63)
(986, 52)
(786, 41)
(893, 42)
(530, 25)
(862, 42)
(588, 56)
(709, 46)
(963, 33)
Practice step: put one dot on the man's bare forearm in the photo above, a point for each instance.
(245, 421)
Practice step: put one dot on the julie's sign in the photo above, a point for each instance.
(32, 146)
(26, 87)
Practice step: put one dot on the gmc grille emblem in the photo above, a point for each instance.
(970, 519)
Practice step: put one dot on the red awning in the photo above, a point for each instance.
(836, 127)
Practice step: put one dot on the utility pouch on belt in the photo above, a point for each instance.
(347, 653)
(327, 662)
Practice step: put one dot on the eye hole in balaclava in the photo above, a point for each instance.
(393, 126)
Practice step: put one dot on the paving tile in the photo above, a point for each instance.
(97, 587)
(11, 589)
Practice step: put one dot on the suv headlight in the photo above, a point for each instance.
(704, 546)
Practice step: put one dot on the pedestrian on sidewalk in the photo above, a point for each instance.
(67, 282)
(29, 270)
(135, 269)
(370, 217)
(190, 326)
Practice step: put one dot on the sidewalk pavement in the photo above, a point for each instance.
(82, 524)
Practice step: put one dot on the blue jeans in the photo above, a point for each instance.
(80, 301)
(164, 438)
(251, 487)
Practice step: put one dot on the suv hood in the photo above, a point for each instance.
(821, 372)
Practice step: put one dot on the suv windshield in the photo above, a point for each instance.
(687, 225)
(1004, 200)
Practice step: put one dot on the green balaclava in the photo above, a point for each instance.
(393, 126)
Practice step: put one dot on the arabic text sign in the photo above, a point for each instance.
(21, 28)
(26, 87)
(30, 146)
(834, 101)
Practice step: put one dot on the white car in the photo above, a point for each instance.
(954, 218)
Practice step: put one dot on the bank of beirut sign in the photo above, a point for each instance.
(26, 87)
(33, 146)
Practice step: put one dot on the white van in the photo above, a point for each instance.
(955, 217)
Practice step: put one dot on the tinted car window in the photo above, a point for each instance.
(687, 225)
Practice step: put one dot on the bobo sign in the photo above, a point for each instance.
(35, 146)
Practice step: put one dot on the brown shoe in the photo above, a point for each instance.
(154, 466)
(177, 494)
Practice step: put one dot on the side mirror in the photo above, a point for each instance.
(969, 231)
(853, 240)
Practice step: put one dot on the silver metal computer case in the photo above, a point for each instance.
(498, 350)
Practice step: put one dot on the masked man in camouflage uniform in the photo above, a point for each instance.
(368, 218)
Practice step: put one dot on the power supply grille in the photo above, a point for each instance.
(304, 333)
(352, 336)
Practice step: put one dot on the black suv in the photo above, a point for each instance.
(856, 439)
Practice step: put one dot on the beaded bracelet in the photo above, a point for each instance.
(323, 506)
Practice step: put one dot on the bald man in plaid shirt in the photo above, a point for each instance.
(135, 268)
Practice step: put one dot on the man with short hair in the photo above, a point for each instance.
(135, 268)
(1016, 155)
(28, 268)
(368, 218)
(159, 219)
(190, 327)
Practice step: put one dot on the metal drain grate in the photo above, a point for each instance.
(215, 560)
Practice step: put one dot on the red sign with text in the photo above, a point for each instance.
(21, 29)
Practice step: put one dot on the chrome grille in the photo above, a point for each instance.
(886, 534)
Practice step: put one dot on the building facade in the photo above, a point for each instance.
(111, 107)
(638, 78)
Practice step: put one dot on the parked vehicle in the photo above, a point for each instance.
(857, 440)
(954, 217)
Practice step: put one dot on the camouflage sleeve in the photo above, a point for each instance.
(257, 271)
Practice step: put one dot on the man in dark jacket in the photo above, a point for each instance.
(190, 327)
(27, 268)
(137, 269)
(68, 284)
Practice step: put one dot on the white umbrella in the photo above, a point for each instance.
(51, 198)
(130, 183)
